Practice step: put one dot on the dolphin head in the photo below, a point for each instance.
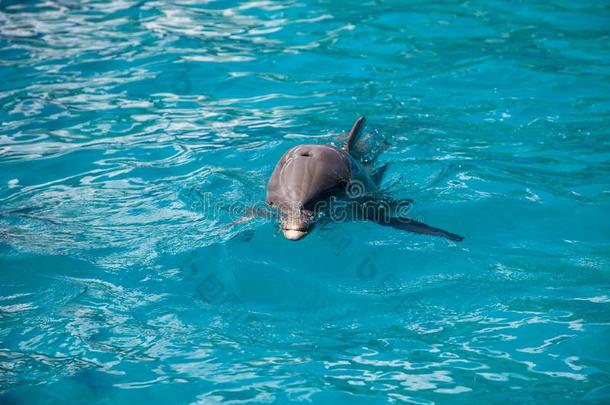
(305, 176)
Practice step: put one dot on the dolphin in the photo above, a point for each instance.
(313, 180)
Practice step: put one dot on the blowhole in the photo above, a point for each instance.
(305, 154)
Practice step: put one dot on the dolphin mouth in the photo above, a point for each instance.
(295, 230)
(296, 226)
(294, 234)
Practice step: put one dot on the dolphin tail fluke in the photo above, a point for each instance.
(377, 175)
(354, 131)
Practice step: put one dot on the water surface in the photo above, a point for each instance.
(125, 125)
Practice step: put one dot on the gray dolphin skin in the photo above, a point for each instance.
(310, 178)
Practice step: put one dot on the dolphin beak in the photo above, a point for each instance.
(295, 224)
(293, 234)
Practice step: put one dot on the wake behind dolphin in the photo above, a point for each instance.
(312, 181)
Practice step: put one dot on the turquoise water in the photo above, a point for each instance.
(129, 128)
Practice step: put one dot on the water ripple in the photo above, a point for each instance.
(121, 121)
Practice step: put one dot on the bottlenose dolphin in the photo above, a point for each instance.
(314, 180)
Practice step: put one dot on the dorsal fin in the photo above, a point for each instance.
(352, 134)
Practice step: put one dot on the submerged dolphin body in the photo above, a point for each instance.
(309, 179)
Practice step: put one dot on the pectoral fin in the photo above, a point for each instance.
(252, 213)
(411, 225)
